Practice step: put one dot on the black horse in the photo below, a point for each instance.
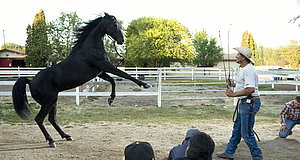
(87, 60)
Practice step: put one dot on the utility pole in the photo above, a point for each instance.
(4, 40)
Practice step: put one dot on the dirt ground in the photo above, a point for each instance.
(107, 140)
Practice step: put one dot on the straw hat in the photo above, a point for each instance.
(246, 52)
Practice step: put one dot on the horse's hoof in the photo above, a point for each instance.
(110, 100)
(69, 138)
(52, 144)
(146, 85)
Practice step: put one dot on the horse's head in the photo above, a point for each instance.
(113, 28)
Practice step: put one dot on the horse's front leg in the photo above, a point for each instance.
(108, 78)
(107, 67)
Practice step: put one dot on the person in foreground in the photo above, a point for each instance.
(201, 147)
(139, 151)
(246, 89)
(179, 150)
(290, 116)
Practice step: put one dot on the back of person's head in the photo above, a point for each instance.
(190, 132)
(297, 98)
(139, 151)
(201, 146)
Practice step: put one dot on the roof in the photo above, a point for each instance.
(13, 50)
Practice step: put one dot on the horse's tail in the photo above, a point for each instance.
(20, 101)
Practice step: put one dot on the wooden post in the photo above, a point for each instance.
(192, 73)
(77, 96)
(159, 88)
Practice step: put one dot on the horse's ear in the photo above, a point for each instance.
(106, 14)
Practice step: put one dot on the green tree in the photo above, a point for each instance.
(291, 54)
(13, 46)
(208, 53)
(61, 34)
(37, 47)
(157, 42)
(248, 41)
(271, 57)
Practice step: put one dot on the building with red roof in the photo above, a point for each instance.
(12, 58)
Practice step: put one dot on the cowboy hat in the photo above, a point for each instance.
(245, 51)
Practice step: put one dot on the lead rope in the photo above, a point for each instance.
(249, 121)
(234, 116)
(115, 47)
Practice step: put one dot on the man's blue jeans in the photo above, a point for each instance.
(241, 130)
(290, 124)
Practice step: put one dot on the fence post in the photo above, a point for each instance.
(19, 72)
(220, 74)
(296, 83)
(165, 74)
(192, 73)
(159, 88)
(77, 96)
(136, 70)
(272, 78)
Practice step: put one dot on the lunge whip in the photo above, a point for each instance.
(223, 60)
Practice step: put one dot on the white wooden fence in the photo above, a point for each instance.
(157, 78)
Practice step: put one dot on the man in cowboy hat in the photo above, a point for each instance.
(246, 90)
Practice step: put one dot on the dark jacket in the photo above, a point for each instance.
(183, 159)
(178, 151)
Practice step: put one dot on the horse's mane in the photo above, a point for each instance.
(83, 31)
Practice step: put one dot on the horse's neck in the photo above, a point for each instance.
(96, 37)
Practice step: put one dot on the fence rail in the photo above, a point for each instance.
(157, 78)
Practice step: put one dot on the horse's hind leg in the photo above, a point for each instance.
(45, 109)
(52, 120)
(108, 78)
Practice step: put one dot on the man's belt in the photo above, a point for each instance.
(253, 98)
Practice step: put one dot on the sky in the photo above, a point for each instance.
(267, 20)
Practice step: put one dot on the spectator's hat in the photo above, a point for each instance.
(246, 52)
(190, 132)
(139, 151)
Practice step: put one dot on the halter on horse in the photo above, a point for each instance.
(87, 60)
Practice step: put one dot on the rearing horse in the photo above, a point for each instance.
(87, 60)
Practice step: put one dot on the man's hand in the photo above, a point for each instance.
(229, 92)
(283, 128)
(230, 82)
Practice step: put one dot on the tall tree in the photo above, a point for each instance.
(37, 47)
(260, 60)
(208, 53)
(291, 54)
(158, 42)
(270, 57)
(62, 35)
(248, 41)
